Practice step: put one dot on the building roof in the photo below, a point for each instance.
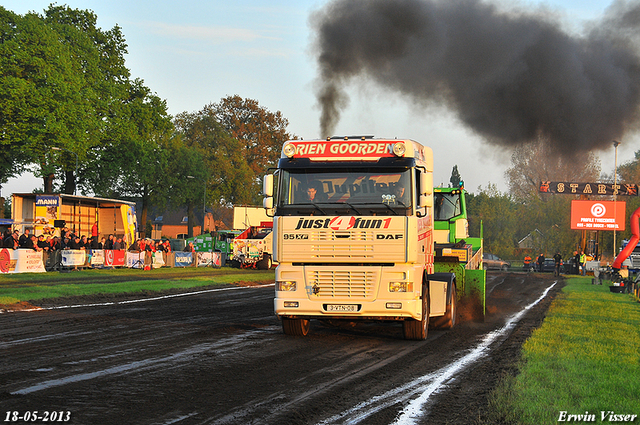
(103, 202)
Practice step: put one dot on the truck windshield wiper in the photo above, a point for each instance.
(350, 206)
(315, 206)
(389, 207)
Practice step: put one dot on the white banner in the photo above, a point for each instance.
(135, 260)
(208, 259)
(74, 257)
(21, 261)
(158, 261)
(97, 257)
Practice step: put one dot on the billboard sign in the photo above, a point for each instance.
(597, 215)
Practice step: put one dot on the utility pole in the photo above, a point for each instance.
(615, 190)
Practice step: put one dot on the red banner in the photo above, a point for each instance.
(598, 215)
(114, 258)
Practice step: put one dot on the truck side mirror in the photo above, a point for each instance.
(425, 197)
(426, 183)
(267, 202)
(267, 185)
(267, 189)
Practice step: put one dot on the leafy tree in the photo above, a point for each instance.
(231, 180)
(43, 95)
(62, 83)
(547, 213)
(187, 178)
(629, 172)
(455, 177)
(6, 207)
(135, 162)
(538, 161)
(499, 214)
(99, 57)
(260, 132)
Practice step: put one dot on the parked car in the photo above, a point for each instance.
(492, 261)
(571, 267)
(548, 266)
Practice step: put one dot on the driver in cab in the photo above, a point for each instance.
(314, 193)
(396, 195)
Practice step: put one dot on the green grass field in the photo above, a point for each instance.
(583, 360)
(38, 286)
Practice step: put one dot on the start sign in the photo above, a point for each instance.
(597, 215)
(605, 189)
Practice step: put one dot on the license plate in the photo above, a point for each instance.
(342, 307)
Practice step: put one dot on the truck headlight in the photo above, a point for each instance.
(286, 285)
(400, 287)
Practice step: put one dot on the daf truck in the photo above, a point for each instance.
(354, 237)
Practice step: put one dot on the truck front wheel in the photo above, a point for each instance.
(296, 327)
(417, 329)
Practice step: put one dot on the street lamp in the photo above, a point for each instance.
(55, 148)
(615, 191)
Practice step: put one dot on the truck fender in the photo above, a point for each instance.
(450, 278)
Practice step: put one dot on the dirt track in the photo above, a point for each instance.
(220, 357)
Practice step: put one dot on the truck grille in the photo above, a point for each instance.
(351, 284)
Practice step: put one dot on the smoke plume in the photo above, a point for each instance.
(510, 76)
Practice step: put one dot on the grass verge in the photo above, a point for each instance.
(40, 286)
(583, 360)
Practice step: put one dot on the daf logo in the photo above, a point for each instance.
(396, 236)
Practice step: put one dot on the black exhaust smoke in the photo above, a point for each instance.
(511, 76)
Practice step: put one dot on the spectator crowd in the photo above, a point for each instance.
(70, 240)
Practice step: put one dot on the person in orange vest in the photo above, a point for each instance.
(527, 263)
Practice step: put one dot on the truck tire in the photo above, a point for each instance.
(417, 329)
(265, 263)
(449, 319)
(295, 327)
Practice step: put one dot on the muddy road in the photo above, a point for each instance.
(218, 356)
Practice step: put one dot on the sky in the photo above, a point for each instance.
(198, 52)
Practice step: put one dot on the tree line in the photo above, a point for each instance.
(72, 114)
(523, 220)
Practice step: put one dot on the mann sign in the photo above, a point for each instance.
(597, 215)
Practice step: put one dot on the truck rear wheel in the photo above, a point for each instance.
(418, 329)
(296, 327)
(448, 321)
(265, 263)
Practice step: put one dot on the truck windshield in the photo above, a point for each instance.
(447, 206)
(387, 188)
